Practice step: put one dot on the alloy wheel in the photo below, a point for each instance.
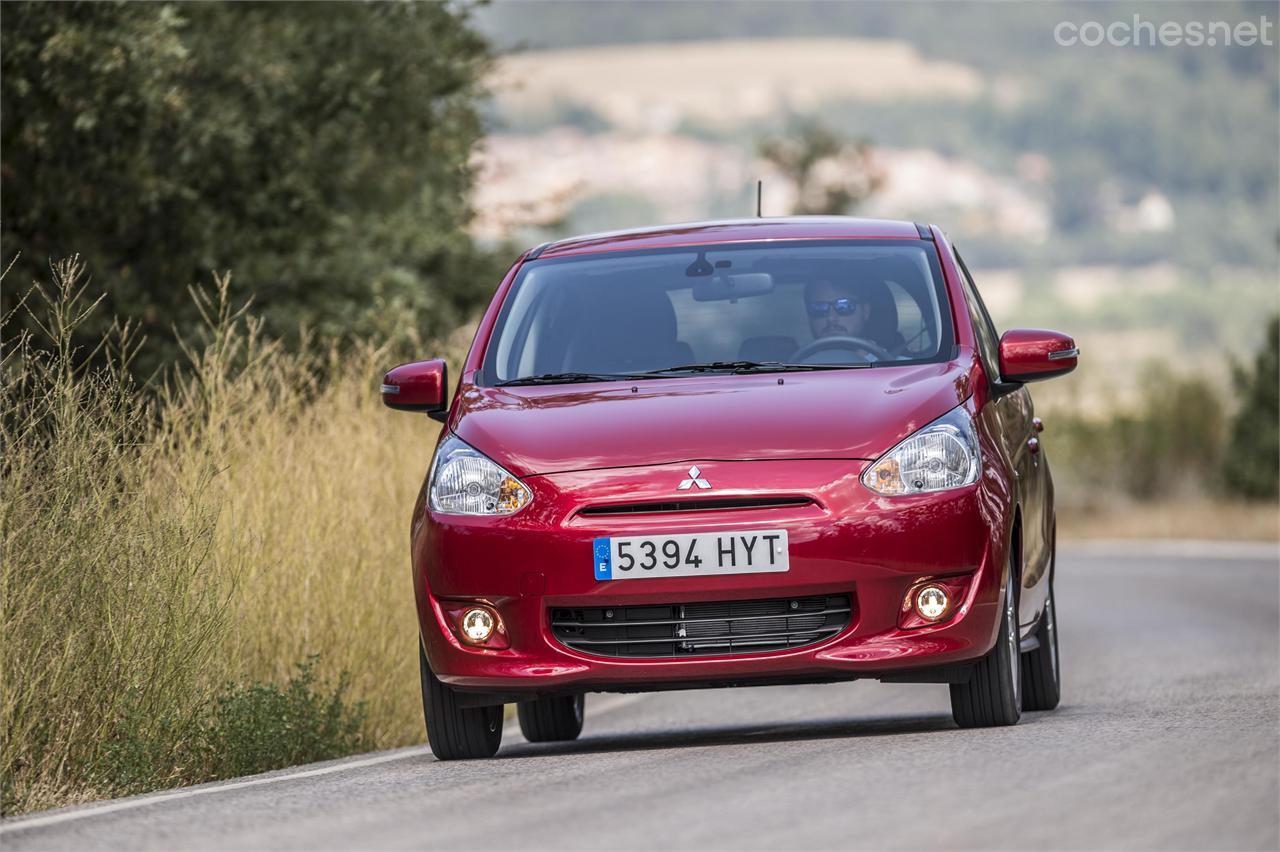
(1011, 637)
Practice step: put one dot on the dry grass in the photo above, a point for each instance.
(109, 607)
(317, 482)
(316, 495)
(157, 547)
(1189, 518)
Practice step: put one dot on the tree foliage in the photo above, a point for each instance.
(832, 174)
(320, 150)
(1253, 462)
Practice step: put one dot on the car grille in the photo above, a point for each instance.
(701, 629)
(709, 505)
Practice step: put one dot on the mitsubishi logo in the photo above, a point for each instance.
(693, 480)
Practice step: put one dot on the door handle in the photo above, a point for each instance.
(1033, 446)
(1037, 424)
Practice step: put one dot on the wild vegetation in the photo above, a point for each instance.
(321, 151)
(193, 582)
(1186, 437)
(1253, 465)
(1191, 457)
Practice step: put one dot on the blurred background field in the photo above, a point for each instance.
(205, 532)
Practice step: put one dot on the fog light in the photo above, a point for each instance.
(478, 625)
(932, 603)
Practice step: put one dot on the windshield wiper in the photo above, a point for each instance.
(707, 367)
(750, 367)
(566, 378)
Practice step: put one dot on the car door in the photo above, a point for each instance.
(1014, 421)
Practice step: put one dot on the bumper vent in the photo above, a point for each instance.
(715, 504)
(729, 628)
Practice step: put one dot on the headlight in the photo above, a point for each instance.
(942, 455)
(465, 482)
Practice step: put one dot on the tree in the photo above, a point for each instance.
(320, 150)
(831, 174)
(1253, 459)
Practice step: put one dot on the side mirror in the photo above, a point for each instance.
(1029, 354)
(420, 386)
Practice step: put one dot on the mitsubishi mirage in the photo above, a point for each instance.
(737, 453)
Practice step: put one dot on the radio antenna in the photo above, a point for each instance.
(759, 194)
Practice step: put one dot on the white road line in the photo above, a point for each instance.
(599, 707)
(1184, 548)
(22, 823)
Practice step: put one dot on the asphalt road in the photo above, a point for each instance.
(1168, 737)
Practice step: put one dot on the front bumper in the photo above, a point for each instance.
(846, 541)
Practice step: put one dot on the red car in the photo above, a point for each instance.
(733, 453)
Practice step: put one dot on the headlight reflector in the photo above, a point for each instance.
(942, 455)
(466, 482)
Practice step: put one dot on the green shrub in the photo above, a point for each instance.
(259, 726)
(1176, 441)
(249, 728)
(1253, 465)
(145, 752)
(1169, 444)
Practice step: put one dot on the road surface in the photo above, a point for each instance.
(1168, 737)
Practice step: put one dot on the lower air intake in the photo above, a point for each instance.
(729, 628)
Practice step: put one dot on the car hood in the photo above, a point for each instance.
(836, 414)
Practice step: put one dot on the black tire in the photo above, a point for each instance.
(991, 697)
(457, 733)
(1041, 668)
(551, 720)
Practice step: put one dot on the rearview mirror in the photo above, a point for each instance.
(1030, 354)
(729, 287)
(419, 386)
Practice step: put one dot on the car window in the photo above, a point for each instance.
(916, 329)
(984, 328)
(839, 303)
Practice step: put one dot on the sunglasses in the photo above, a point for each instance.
(843, 307)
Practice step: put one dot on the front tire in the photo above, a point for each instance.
(1041, 672)
(457, 733)
(992, 695)
(551, 720)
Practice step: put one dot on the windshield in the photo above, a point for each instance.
(811, 305)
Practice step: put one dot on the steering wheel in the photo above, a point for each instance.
(842, 343)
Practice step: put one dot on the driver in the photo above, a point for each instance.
(837, 309)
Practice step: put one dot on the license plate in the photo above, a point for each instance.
(646, 557)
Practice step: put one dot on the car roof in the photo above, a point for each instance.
(734, 231)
